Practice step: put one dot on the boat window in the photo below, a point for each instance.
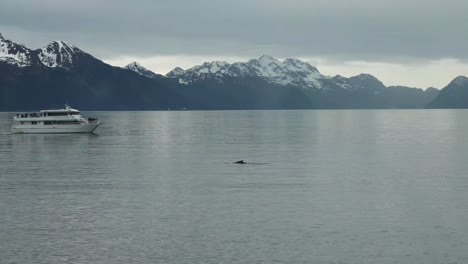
(57, 113)
(76, 122)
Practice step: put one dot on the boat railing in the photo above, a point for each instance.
(30, 115)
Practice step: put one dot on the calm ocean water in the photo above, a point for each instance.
(370, 186)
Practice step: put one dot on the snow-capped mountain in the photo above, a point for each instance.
(176, 72)
(286, 72)
(56, 54)
(260, 83)
(136, 67)
(59, 54)
(266, 75)
(15, 54)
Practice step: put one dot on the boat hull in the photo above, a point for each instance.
(53, 129)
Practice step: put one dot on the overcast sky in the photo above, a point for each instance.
(417, 43)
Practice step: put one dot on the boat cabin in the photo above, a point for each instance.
(46, 113)
(61, 112)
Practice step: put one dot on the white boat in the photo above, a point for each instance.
(67, 120)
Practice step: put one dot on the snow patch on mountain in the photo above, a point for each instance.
(342, 82)
(266, 66)
(58, 54)
(211, 67)
(287, 72)
(133, 66)
(138, 68)
(177, 71)
(15, 54)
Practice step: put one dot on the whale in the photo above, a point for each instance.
(240, 162)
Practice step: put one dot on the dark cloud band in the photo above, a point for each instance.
(372, 28)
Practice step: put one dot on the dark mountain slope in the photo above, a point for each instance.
(454, 95)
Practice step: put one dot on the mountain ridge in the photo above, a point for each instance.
(55, 54)
(63, 72)
(271, 69)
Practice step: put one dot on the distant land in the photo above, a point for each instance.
(59, 73)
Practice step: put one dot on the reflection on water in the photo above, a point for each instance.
(365, 186)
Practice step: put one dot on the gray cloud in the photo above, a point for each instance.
(360, 29)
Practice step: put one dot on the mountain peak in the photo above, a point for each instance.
(133, 64)
(58, 54)
(63, 45)
(176, 72)
(367, 82)
(288, 72)
(55, 54)
(365, 76)
(460, 81)
(177, 69)
(453, 95)
(210, 67)
(266, 59)
(138, 68)
(15, 54)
